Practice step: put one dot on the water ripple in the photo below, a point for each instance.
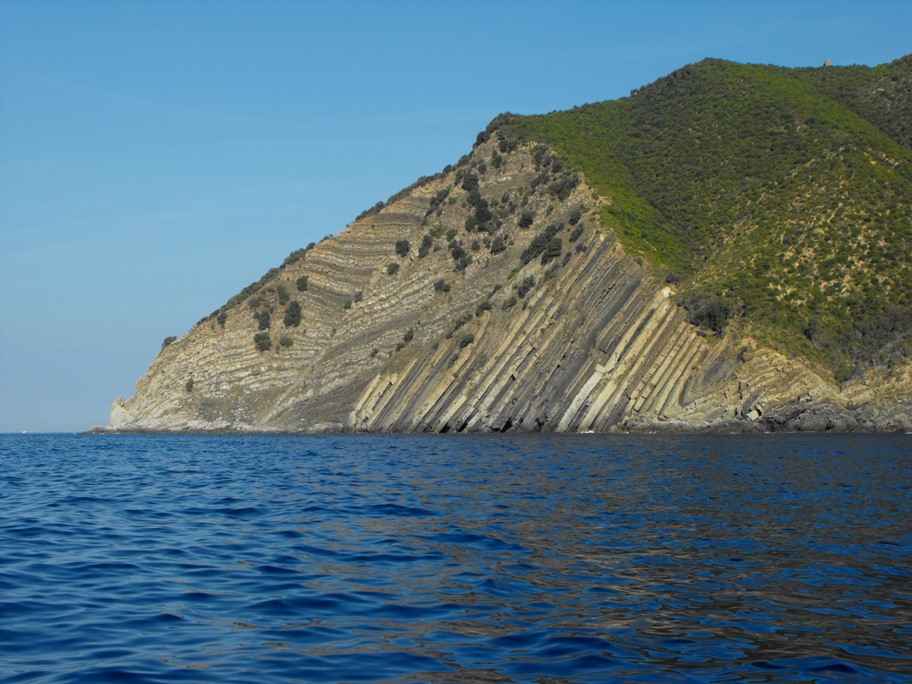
(455, 559)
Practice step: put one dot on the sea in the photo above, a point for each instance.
(456, 558)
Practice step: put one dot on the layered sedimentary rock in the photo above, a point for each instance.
(510, 308)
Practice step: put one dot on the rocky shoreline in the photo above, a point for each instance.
(783, 420)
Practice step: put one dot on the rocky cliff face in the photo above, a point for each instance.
(509, 308)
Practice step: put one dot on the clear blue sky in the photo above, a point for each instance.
(158, 156)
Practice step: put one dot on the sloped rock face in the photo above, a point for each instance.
(519, 312)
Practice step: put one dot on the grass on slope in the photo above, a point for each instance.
(767, 188)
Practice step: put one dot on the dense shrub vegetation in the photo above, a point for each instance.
(498, 245)
(545, 244)
(437, 200)
(785, 195)
(707, 311)
(263, 318)
(262, 341)
(292, 315)
(427, 243)
(523, 287)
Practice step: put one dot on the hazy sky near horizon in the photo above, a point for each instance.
(158, 156)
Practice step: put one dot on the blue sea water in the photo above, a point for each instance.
(508, 558)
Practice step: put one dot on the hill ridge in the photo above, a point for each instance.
(659, 211)
(669, 260)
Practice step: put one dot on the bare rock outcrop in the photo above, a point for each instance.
(510, 308)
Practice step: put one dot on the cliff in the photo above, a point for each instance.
(529, 288)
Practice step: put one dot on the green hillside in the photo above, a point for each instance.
(780, 197)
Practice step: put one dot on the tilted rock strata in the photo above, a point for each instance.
(597, 343)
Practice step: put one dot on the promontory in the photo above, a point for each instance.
(728, 248)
